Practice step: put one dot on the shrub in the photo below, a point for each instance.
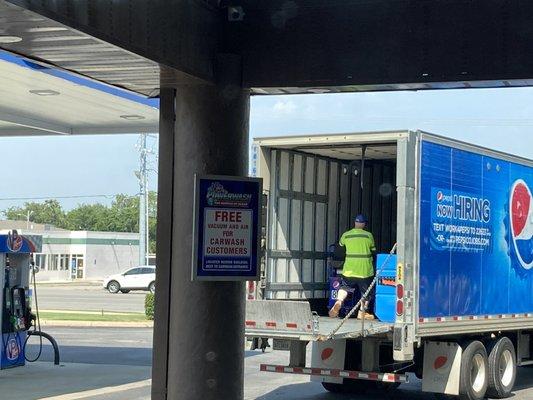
(149, 306)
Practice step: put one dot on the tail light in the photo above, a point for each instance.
(399, 307)
(399, 299)
(251, 290)
(399, 291)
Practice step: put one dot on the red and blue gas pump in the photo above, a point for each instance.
(16, 317)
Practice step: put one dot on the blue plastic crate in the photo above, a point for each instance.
(386, 289)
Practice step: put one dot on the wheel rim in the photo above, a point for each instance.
(152, 288)
(477, 373)
(506, 368)
(113, 287)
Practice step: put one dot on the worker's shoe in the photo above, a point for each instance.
(334, 312)
(365, 315)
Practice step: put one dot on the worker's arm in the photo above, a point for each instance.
(341, 241)
(372, 243)
(373, 250)
(340, 251)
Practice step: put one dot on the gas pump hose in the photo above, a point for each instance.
(38, 332)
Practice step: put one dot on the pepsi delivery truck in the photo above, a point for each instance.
(454, 303)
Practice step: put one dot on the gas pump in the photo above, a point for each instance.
(16, 317)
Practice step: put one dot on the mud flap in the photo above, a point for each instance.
(330, 354)
(442, 367)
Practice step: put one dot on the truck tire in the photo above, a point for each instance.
(349, 386)
(474, 377)
(442, 396)
(502, 368)
(333, 387)
(386, 387)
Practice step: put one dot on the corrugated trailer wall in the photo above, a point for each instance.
(302, 212)
(379, 199)
(310, 206)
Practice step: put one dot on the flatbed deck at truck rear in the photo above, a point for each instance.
(352, 328)
(295, 321)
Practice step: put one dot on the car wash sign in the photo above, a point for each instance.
(226, 232)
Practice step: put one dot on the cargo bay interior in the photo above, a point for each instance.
(314, 191)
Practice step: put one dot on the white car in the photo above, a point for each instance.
(138, 278)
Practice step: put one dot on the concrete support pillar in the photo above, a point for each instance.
(199, 326)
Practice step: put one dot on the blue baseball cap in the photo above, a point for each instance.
(361, 219)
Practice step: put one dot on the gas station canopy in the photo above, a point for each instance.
(37, 99)
(284, 47)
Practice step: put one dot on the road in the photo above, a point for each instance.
(128, 352)
(88, 297)
(128, 348)
(116, 346)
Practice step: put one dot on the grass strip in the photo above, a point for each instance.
(81, 316)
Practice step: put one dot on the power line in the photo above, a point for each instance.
(107, 196)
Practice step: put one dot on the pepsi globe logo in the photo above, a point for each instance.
(521, 218)
(441, 364)
(440, 196)
(14, 241)
(336, 284)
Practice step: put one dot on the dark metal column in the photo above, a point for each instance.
(205, 320)
(165, 202)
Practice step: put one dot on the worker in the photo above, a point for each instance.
(358, 269)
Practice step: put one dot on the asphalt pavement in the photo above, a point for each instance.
(88, 298)
(115, 363)
(94, 357)
(104, 346)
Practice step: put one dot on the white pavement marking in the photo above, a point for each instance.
(99, 392)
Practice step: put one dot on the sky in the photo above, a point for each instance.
(99, 166)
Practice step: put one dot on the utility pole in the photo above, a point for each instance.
(143, 202)
(27, 215)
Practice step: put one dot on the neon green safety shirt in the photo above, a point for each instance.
(359, 247)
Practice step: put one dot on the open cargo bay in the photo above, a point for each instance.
(314, 191)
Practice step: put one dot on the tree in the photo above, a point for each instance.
(88, 217)
(48, 212)
(124, 214)
(152, 222)
(121, 216)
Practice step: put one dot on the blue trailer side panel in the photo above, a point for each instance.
(476, 234)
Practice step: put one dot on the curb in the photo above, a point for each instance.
(97, 324)
(70, 283)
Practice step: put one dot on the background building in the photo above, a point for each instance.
(80, 255)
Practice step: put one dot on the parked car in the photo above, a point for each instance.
(138, 278)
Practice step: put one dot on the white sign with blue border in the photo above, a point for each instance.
(226, 231)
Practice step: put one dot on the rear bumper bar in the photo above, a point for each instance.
(337, 373)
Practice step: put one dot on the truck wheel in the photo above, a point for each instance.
(349, 386)
(356, 386)
(502, 368)
(386, 387)
(333, 387)
(473, 381)
(151, 287)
